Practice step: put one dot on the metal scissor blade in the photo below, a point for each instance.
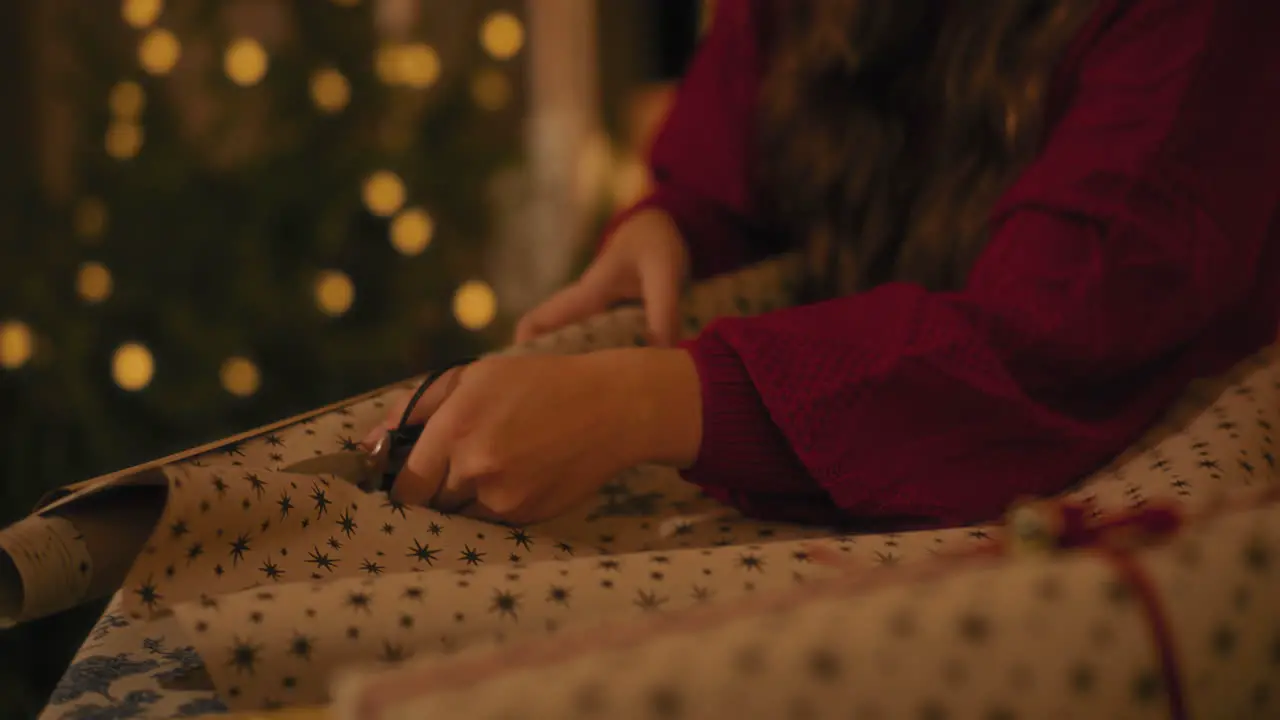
(353, 466)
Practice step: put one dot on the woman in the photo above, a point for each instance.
(1032, 223)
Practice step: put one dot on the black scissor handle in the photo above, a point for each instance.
(400, 441)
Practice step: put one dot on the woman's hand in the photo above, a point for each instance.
(643, 259)
(523, 439)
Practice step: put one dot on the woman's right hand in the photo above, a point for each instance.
(643, 259)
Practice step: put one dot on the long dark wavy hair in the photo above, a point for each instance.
(887, 129)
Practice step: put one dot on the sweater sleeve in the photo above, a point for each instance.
(1138, 231)
(699, 158)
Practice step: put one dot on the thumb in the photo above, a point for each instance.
(660, 290)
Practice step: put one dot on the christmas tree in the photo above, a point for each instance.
(264, 207)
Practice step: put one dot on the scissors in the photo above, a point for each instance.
(377, 468)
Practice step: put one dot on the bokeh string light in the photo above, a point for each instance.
(411, 231)
(240, 376)
(330, 90)
(93, 282)
(490, 89)
(245, 62)
(89, 218)
(141, 13)
(383, 193)
(16, 344)
(124, 139)
(502, 35)
(474, 305)
(126, 100)
(414, 65)
(159, 52)
(132, 366)
(335, 293)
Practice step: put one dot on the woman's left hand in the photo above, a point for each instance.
(525, 438)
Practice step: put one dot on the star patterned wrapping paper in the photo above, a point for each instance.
(250, 585)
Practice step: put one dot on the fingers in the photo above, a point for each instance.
(660, 290)
(577, 302)
(427, 467)
(426, 406)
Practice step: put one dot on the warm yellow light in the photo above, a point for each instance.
(159, 51)
(330, 90)
(630, 182)
(240, 376)
(126, 100)
(334, 292)
(502, 35)
(383, 193)
(490, 89)
(124, 140)
(386, 63)
(245, 62)
(132, 366)
(411, 231)
(419, 66)
(16, 344)
(141, 13)
(346, 3)
(474, 305)
(89, 218)
(93, 282)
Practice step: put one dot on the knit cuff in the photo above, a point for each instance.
(742, 450)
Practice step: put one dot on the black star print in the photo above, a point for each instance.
(322, 560)
(276, 458)
(169, 571)
(388, 529)
(684, 528)
(471, 556)
(660, 560)
(1209, 464)
(521, 538)
(606, 539)
(178, 529)
(800, 556)
(886, 558)
(422, 553)
(609, 564)
(1256, 556)
(219, 485)
(514, 558)
(239, 548)
(148, 595)
(435, 529)
(348, 444)
(649, 601)
(406, 621)
(505, 602)
(347, 523)
(271, 570)
(255, 482)
(264, 525)
(246, 504)
(321, 500)
(217, 570)
(751, 562)
(256, 617)
(334, 543)
(244, 656)
(559, 595)
(233, 449)
(396, 507)
(392, 653)
(204, 506)
(208, 603)
(265, 596)
(370, 567)
(702, 594)
(274, 440)
(359, 601)
(285, 503)
(413, 593)
(565, 548)
(195, 551)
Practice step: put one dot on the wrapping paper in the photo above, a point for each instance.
(245, 586)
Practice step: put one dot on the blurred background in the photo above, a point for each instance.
(218, 213)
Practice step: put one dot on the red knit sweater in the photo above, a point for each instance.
(1137, 253)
